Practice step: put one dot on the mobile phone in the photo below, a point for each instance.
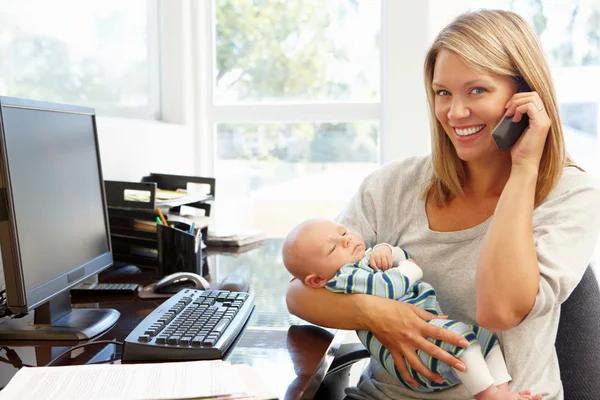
(507, 132)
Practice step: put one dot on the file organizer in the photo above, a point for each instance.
(133, 229)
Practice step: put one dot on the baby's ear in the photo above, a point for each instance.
(315, 281)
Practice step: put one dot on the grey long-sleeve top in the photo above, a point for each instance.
(388, 208)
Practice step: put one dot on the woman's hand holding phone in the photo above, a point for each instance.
(528, 149)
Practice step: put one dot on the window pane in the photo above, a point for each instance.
(82, 52)
(270, 50)
(568, 29)
(273, 176)
(580, 123)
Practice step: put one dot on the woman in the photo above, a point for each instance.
(503, 236)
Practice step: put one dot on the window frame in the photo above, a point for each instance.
(317, 111)
(187, 59)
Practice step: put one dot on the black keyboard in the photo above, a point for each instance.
(191, 325)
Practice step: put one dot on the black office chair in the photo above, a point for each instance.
(577, 345)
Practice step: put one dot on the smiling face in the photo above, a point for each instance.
(469, 104)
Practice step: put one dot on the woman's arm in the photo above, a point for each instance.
(565, 230)
(400, 327)
(564, 233)
(316, 305)
(507, 273)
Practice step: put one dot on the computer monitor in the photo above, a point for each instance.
(53, 220)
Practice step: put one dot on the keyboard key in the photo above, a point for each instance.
(220, 327)
(185, 341)
(144, 338)
(161, 339)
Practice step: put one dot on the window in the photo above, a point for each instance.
(296, 107)
(99, 54)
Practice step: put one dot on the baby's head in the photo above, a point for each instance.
(316, 249)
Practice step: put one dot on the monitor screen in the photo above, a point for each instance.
(56, 225)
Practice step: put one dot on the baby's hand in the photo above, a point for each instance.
(381, 258)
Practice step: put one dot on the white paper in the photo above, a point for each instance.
(180, 380)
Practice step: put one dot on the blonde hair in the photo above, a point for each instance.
(502, 43)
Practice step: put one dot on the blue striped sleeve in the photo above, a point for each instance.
(391, 284)
(350, 279)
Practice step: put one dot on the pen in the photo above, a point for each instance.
(158, 221)
(162, 217)
(193, 228)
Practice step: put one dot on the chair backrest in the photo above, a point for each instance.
(578, 340)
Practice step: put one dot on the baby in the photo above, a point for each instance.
(324, 254)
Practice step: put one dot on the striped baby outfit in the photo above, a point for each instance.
(393, 284)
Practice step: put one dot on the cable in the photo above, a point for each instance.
(13, 358)
(16, 362)
(115, 342)
(17, 366)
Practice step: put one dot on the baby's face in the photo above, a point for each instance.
(332, 246)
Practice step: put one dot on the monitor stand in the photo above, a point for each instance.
(57, 320)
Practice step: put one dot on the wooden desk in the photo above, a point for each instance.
(291, 355)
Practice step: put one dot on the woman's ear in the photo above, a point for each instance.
(315, 281)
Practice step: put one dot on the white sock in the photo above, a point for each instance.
(497, 365)
(477, 377)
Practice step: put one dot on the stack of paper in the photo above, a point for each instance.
(178, 380)
(170, 194)
(199, 220)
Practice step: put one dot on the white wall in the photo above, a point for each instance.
(131, 149)
(408, 29)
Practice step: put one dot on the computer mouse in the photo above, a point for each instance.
(234, 283)
(181, 280)
(128, 269)
(121, 272)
